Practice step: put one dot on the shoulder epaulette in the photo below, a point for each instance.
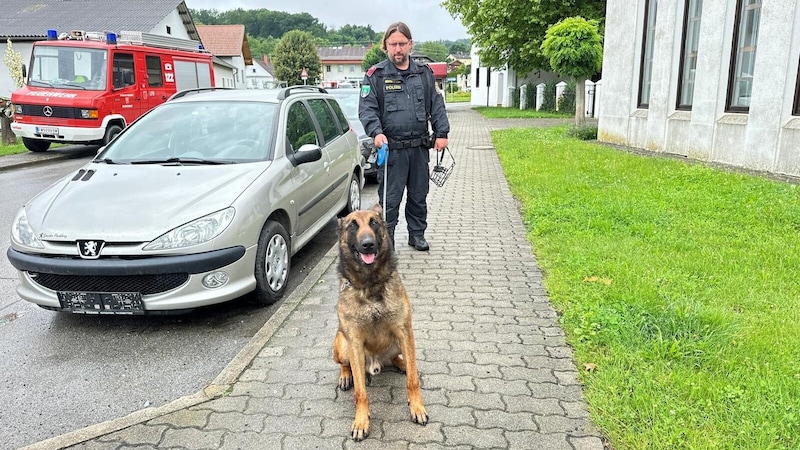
(371, 70)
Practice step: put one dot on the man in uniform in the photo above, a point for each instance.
(398, 102)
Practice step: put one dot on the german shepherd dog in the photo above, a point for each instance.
(374, 315)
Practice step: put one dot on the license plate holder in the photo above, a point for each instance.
(51, 131)
(101, 302)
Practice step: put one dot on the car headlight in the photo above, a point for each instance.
(22, 233)
(195, 232)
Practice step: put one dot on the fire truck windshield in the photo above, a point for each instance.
(61, 67)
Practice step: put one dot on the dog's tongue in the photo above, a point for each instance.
(368, 258)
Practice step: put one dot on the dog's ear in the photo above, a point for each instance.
(339, 224)
(377, 208)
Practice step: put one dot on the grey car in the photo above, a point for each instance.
(200, 201)
(349, 98)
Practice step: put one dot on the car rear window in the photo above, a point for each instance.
(329, 125)
(343, 123)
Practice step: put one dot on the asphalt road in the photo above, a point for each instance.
(62, 372)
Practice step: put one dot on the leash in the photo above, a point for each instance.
(383, 156)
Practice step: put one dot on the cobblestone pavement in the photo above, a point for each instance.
(496, 371)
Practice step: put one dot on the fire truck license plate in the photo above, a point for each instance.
(46, 130)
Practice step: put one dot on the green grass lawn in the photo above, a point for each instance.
(677, 286)
(499, 112)
(457, 97)
(13, 149)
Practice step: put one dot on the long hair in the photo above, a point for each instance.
(395, 27)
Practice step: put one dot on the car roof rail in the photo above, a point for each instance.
(198, 90)
(285, 92)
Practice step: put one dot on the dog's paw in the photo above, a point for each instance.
(374, 367)
(419, 415)
(360, 431)
(345, 383)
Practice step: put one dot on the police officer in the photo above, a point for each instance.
(398, 101)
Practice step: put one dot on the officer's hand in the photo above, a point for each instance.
(380, 139)
(440, 144)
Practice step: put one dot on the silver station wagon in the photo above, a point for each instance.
(200, 201)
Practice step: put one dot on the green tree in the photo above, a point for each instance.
(297, 50)
(261, 46)
(575, 49)
(373, 56)
(459, 48)
(433, 50)
(509, 33)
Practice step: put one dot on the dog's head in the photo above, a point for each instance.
(363, 238)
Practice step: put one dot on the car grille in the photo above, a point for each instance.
(146, 284)
(61, 112)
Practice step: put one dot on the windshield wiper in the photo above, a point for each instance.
(181, 161)
(105, 160)
(43, 83)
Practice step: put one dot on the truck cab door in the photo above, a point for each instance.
(126, 96)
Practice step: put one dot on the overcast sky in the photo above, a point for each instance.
(428, 20)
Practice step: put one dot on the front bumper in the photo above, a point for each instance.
(65, 134)
(165, 282)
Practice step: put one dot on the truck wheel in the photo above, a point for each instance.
(111, 132)
(272, 263)
(36, 145)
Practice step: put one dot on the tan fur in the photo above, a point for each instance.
(374, 316)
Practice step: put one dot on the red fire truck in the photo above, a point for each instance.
(85, 87)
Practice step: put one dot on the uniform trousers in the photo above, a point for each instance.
(407, 171)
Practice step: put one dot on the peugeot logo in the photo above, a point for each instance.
(90, 249)
(48, 111)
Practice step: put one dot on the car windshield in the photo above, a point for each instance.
(196, 133)
(69, 68)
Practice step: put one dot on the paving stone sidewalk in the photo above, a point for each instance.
(496, 372)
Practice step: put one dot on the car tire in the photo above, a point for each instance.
(36, 145)
(273, 261)
(111, 132)
(353, 195)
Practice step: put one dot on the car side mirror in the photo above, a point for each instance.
(305, 154)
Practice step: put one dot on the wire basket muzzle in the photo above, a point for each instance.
(441, 171)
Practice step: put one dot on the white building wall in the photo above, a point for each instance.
(767, 138)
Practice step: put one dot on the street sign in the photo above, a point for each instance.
(451, 79)
(304, 74)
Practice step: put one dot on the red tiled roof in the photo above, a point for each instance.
(225, 40)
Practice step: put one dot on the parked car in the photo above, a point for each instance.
(349, 98)
(200, 201)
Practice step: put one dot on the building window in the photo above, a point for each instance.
(743, 57)
(341, 68)
(649, 36)
(352, 68)
(691, 36)
(327, 68)
(169, 29)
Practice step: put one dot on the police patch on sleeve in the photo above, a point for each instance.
(365, 90)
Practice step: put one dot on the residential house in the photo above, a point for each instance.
(260, 74)
(456, 63)
(26, 21)
(342, 64)
(228, 43)
(492, 86)
(714, 81)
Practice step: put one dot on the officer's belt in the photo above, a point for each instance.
(410, 143)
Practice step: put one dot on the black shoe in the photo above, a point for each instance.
(419, 243)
